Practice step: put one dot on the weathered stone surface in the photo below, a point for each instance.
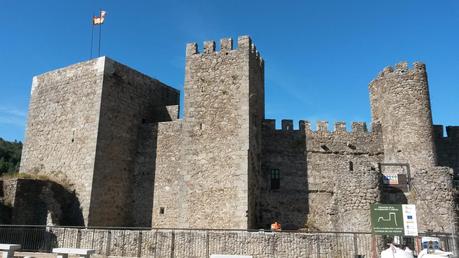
(433, 195)
(215, 147)
(113, 135)
(313, 167)
(203, 243)
(83, 129)
(400, 102)
(62, 127)
(447, 147)
(40, 202)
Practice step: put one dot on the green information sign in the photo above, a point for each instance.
(387, 219)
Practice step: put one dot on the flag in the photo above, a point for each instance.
(98, 20)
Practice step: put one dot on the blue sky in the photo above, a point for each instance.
(319, 55)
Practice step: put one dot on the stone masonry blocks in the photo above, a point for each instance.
(113, 136)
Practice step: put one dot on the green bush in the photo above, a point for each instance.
(16, 175)
(10, 156)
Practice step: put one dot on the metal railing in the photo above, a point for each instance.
(140, 242)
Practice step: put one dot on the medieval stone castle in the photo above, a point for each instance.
(115, 137)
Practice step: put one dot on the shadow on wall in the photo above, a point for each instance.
(285, 181)
(40, 202)
(5, 214)
(392, 195)
(142, 181)
(448, 148)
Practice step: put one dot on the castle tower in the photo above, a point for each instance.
(400, 102)
(224, 107)
(83, 131)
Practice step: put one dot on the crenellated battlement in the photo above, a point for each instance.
(402, 68)
(244, 43)
(400, 101)
(321, 127)
(358, 141)
(452, 132)
(222, 165)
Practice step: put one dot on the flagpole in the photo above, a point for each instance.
(100, 30)
(92, 34)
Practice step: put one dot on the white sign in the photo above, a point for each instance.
(390, 179)
(409, 220)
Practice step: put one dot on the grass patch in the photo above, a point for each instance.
(17, 175)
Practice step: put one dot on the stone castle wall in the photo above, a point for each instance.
(256, 116)
(169, 183)
(215, 141)
(174, 183)
(83, 131)
(352, 196)
(113, 135)
(156, 158)
(129, 100)
(284, 150)
(448, 147)
(62, 126)
(39, 202)
(311, 163)
(400, 102)
(433, 194)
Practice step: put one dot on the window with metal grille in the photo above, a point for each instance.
(275, 179)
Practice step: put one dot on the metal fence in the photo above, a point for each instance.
(136, 242)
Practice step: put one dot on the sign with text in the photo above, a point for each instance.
(394, 219)
(390, 179)
(410, 222)
(395, 175)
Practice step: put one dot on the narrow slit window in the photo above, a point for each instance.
(351, 166)
(275, 179)
(161, 210)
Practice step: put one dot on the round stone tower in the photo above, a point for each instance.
(400, 102)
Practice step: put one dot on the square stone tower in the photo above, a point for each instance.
(83, 131)
(216, 183)
(224, 108)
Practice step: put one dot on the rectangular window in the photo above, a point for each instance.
(275, 179)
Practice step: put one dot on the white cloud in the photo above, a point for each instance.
(12, 116)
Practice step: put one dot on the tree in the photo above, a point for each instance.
(10, 156)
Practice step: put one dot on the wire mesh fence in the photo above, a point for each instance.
(136, 242)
